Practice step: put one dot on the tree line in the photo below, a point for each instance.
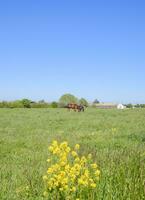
(27, 103)
(61, 103)
(135, 106)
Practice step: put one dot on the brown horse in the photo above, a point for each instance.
(75, 107)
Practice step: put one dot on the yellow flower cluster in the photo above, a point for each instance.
(67, 172)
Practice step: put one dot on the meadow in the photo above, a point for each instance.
(116, 139)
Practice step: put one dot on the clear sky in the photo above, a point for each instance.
(90, 48)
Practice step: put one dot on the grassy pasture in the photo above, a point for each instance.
(116, 139)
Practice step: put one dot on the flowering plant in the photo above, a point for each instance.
(68, 175)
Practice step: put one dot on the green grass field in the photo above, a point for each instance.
(116, 139)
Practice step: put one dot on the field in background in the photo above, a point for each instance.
(116, 138)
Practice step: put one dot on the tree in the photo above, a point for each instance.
(16, 104)
(83, 102)
(129, 105)
(54, 104)
(26, 103)
(4, 104)
(67, 98)
(137, 106)
(96, 101)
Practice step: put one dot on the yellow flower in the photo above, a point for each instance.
(89, 156)
(93, 185)
(73, 177)
(65, 181)
(45, 178)
(67, 167)
(74, 154)
(81, 181)
(86, 173)
(62, 173)
(55, 167)
(56, 183)
(50, 148)
(83, 160)
(73, 189)
(45, 194)
(50, 170)
(67, 171)
(63, 145)
(64, 158)
(77, 159)
(94, 165)
(54, 143)
(62, 164)
(56, 150)
(91, 180)
(68, 149)
(97, 172)
(77, 146)
(66, 187)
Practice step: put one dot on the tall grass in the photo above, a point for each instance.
(115, 138)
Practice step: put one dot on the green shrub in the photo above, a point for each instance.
(26, 103)
(67, 98)
(83, 102)
(54, 104)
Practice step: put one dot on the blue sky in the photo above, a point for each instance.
(90, 48)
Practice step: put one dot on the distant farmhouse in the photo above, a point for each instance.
(121, 106)
(109, 106)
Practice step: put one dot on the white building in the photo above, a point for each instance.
(120, 106)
